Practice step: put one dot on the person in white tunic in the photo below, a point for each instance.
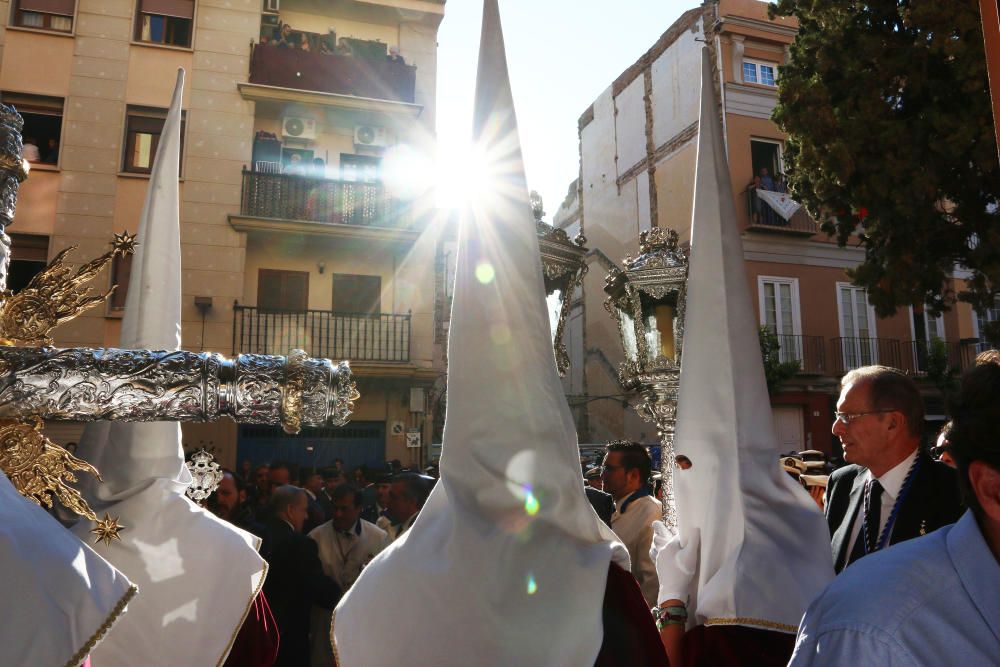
(346, 544)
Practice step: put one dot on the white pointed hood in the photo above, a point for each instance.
(198, 574)
(763, 545)
(59, 597)
(507, 562)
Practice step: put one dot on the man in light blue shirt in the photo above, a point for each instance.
(934, 600)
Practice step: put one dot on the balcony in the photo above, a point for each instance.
(776, 212)
(332, 74)
(355, 337)
(920, 357)
(808, 351)
(275, 202)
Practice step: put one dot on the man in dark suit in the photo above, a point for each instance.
(295, 580)
(602, 502)
(892, 491)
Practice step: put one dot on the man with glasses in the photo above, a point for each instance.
(933, 600)
(891, 491)
(626, 472)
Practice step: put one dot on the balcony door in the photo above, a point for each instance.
(858, 345)
(925, 329)
(779, 312)
(981, 321)
(356, 294)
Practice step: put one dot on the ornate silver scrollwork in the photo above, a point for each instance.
(206, 475)
(563, 268)
(82, 384)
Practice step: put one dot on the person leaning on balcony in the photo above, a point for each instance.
(892, 491)
(343, 49)
(285, 38)
(394, 57)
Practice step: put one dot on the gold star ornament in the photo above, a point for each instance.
(107, 530)
(124, 243)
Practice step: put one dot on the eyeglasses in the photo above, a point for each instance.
(847, 417)
(938, 451)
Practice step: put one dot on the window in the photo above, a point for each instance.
(55, 15)
(983, 321)
(763, 73)
(360, 168)
(282, 290)
(353, 294)
(167, 22)
(42, 126)
(766, 154)
(142, 136)
(926, 328)
(859, 346)
(121, 271)
(779, 312)
(28, 255)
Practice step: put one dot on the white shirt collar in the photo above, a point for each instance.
(892, 481)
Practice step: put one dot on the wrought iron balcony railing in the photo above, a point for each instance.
(343, 75)
(809, 351)
(290, 197)
(355, 337)
(763, 217)
(922, 357)
(849, 353)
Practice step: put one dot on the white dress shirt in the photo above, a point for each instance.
(892, 484)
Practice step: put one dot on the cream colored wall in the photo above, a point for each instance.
(675, 189)
(36, 203)
(46, 72)
(152, 72)
(675, 100)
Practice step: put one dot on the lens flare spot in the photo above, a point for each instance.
(485, 273)
(500, 334)
(532, 585)
(530, 503)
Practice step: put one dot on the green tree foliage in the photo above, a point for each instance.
(888, 114)
(776, 371)
(940, 372)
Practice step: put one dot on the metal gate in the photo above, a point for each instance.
(356, 443)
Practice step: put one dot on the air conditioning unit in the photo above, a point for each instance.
(295, 127)
(370, 135)
(272, 6)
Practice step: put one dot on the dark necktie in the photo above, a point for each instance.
(872, 521)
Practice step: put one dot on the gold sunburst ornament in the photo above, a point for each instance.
(40, 469)
(55, 295)
(107, 530)
(37, 467)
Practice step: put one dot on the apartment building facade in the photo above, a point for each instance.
(637, 164)
(294, 231)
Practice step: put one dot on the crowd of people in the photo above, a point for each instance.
(316, 536)
(891, 490)
(286, 37)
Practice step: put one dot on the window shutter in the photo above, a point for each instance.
(182, 9)
(60, 7)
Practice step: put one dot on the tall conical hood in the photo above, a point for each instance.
(507, 549)
(59, 597)
(764, 546)
(198, 574)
